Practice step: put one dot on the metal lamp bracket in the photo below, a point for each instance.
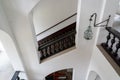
(99, 24)
(88, 34)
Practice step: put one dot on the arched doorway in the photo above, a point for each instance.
(65, 74)
(11, 50)
(10, 57)
(6, 68)
(93, 76)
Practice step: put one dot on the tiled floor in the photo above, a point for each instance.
(6, 69)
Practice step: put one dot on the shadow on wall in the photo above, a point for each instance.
(93, 76)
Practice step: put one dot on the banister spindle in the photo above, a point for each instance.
(65, 43)
(117, 48)
(48, 50)
(108, 38)
(41, 53)
(52, 49)
(69, 41)
(44, 53)
(60, 45)
(73, 39)
(112, 42)
(56, 47)
(116, 53)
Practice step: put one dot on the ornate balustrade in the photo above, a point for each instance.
(112, 45)
(57, 42)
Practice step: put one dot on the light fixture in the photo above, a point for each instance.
(88, 34)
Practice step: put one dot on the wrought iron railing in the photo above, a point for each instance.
(16, 76)
(19, 75)
(57, 42)
(112, 45)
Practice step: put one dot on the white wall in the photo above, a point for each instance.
(85, 47)
(57, 28)
(98, 62)
(49, 12)
(107, 11)
(78, 59)
(93, 76)
(7, 41)
(6, 68)
(118, 10)
(4, 25)
(100, 65)
(11, 51)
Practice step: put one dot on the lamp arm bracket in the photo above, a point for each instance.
(98, 24)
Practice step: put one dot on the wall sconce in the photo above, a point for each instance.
(88, 34)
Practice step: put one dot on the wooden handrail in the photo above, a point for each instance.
(57, 24)
(113, 31)
(52, 42)
(50, 38)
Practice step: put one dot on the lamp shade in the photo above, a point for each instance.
(88, 34)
